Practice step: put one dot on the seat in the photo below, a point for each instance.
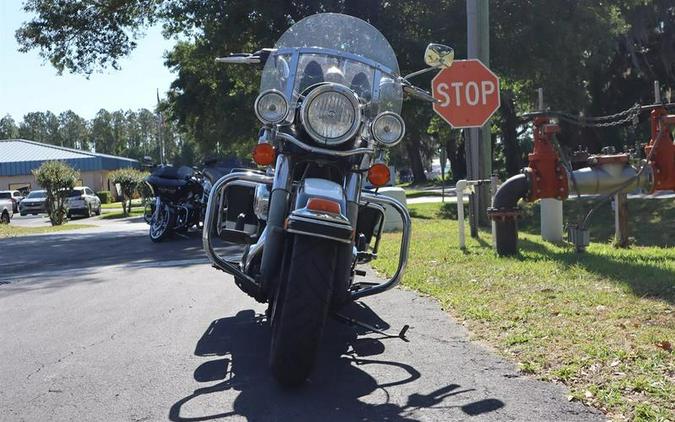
(168, 172)
(213, 173)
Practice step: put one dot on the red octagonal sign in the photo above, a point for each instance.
(467, 93)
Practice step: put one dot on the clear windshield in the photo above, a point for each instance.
(331, 47)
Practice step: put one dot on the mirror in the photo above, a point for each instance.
(439, 55)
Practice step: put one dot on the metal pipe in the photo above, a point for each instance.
(405, 242)
(504, 212)
(459, 190)
(606, 178)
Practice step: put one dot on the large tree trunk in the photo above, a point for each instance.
(413, 148)
(509, 128)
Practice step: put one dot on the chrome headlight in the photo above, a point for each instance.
(388, 128)
(271, 107)
(331, 114)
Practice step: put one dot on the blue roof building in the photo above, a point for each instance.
(19, 157)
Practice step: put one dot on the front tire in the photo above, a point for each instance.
(162, 223)
(304, 302)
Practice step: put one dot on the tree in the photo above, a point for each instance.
(58, 179)
(34, 127)
(8, 128)
(102, 132)
(73, 130)
(129, 180)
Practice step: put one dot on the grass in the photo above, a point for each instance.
(10, 230)
(112, 215)
(600, 322)
(118, 205)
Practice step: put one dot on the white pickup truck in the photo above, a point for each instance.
(6, 210)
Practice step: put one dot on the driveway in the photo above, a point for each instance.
(103, 324)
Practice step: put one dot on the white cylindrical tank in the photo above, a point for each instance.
(551, 220)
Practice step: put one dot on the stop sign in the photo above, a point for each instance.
(467, 93)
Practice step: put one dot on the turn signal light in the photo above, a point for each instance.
(263, 154)
(378, 175)
(323, 205)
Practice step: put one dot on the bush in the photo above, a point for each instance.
(105, 196)
(58, 179)
(129, 180)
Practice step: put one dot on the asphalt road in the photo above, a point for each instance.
(102, 324)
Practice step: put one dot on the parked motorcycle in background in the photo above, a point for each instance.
(180, 197)
(330, 105)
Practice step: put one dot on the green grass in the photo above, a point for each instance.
(10, 230)
(118, 205)
(112, 215)
(592, 321)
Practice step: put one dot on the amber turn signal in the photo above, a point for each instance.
(263, 154)
(378, 174)
(323, 205)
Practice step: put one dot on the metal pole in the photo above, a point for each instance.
(621, 220)
(479, 143)
(472, 135)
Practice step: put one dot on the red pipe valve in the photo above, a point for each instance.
(548, 178)
(663, 158)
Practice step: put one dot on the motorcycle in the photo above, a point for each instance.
(330, 104)
(180, 196)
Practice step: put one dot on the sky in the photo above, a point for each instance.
(29, 83)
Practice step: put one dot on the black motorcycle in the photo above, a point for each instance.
(330, 103)
(180, 197)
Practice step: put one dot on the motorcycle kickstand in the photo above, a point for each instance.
(351, 322)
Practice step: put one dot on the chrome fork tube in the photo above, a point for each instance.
(278, 210)
(352, 189)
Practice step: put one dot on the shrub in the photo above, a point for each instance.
(129, 180)
(105, 196)
(58, 179)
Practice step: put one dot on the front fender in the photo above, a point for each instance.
(303, 220)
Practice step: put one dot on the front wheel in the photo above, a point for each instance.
(161, 223)
(301, 309)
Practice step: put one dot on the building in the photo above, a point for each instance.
(18, 157)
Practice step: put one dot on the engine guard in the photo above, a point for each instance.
(213, 224)
(250, 285)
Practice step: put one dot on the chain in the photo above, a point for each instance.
(629, 115)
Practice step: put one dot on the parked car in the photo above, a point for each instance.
(6, 210)
(83, 201)
(14, 195)
(34, 203)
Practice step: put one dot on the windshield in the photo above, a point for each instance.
(331, 47)
(37, 194)
(5, 195)
(75, 192)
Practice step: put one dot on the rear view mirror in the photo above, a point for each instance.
(439, 55)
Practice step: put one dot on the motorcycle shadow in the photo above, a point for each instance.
(334, 392)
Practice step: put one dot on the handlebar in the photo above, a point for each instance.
(418, 93)
(259, 57)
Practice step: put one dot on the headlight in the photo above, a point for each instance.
(271, 107)
(388, 128)
(330, 114)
